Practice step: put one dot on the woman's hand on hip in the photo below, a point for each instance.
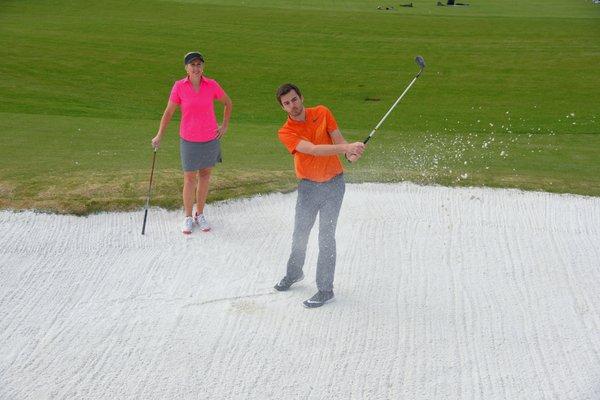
(221, 130)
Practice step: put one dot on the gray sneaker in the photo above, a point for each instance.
(286, 283)
(319, 299)
(188, 224)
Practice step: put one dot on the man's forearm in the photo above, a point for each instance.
(325, 149)
(337, 138)
(339, 145)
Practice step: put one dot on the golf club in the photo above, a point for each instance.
(421, 63)
(149, 191)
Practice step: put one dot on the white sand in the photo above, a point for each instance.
(440, 294)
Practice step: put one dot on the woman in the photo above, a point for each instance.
(199, 135)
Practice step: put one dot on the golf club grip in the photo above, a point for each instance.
(144, 224)
(367, 139)
(149, 191)
(152, 171)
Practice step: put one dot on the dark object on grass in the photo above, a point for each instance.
(452, 3)
(406, 5)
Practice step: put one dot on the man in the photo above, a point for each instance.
(312, 136)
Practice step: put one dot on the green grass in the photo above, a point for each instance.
(85, 83)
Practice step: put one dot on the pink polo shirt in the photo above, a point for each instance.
(198, 120)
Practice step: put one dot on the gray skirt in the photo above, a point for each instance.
(199, 155)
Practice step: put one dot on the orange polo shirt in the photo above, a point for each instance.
(319, 122)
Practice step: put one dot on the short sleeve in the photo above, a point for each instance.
(289, 140)
(174, 96)
(331, 122)
(218, 92)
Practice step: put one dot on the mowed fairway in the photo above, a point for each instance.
(510, 96)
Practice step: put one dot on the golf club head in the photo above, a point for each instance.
(420, 61)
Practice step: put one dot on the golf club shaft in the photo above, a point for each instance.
(149, 191)
(391, 108)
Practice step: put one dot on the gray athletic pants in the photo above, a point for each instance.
(325, 199)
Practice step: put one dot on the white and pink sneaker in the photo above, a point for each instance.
(203, 224)
(188, 224)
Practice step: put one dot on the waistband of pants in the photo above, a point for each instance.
(338, 176)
